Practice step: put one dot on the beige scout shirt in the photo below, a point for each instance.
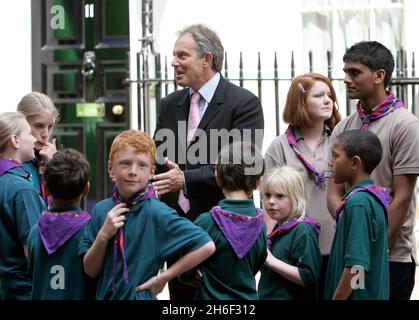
(399, 135)
(280, 153)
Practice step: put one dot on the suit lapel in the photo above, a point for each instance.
(215, 104)
(182, 111)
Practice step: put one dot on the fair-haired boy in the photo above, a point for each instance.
(132, 233)
(358, 263)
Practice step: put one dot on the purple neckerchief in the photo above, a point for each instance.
(287, 227)
(380, 193)
(386, 107)
(241, 231)
(292, 140)
(56, 228)
(7, 164)
(147, 193)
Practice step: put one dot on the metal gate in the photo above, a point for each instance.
(156, 81)
(156, 78)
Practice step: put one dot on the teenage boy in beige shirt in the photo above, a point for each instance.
(368, 66)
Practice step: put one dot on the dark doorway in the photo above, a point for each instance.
(80, 60)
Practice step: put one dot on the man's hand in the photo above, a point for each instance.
(114, 220)
(48, 149)
(169, 181)
(403, 190)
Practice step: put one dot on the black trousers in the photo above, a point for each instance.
(402, 280)
(178, 290)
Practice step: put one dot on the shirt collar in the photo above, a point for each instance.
(327, 131)
(65, 208)
(299, 137)
(208, 89)
(20, 172)
(236, 202)
(363, 183)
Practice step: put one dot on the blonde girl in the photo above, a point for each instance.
(292, 268)
(41, 115)
(20, 205)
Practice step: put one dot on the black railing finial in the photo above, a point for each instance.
(310, 61)
(398, 63)
(159, 82)
(259, 77)
(329, 64)
(166, 77)
(276, 83)
(241, 69)
(292, 65)
(225, 66)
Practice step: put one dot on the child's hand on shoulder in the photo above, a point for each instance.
(114, 220)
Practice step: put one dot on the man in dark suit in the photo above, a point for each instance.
(226, 113)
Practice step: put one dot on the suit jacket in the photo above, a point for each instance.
(231, 107)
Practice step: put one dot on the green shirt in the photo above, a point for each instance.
(224, 275)
(360, 242)
(20, 208)
(60, 275)
(34, 171)
(299, 247)
(153, 233)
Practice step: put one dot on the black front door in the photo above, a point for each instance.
(80, 60)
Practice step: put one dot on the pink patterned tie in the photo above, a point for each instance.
(193, 122)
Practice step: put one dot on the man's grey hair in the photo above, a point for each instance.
(207, 41)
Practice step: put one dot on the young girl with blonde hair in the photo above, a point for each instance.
(292, 268)
(41, 115)
(20, 205)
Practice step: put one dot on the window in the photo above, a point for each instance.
(335, 25)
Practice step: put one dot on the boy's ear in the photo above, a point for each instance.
(153, 169)
(110, 170)
(356, 162)
(379, 76)
(86, 189)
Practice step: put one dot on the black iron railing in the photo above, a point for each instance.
(154, 83)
